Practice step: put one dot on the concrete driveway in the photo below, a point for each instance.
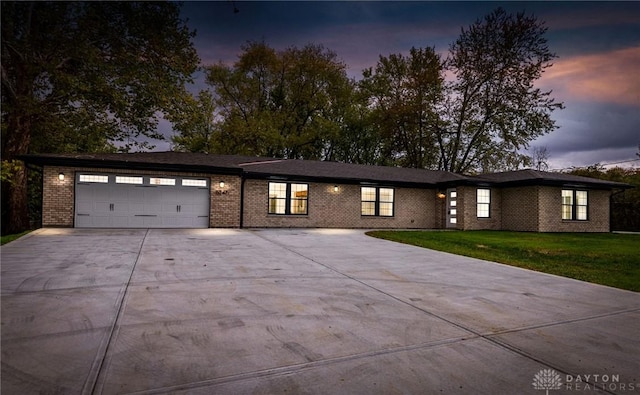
(218, 311)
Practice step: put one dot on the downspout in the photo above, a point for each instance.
(242, 180)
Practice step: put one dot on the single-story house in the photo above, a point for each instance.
(192, 190)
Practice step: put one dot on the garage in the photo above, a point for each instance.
(140, 201)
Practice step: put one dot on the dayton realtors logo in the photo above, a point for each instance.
(549, 379)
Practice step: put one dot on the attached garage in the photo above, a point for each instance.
(140, 201)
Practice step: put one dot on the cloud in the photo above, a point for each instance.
(592, 132)
(605, 77)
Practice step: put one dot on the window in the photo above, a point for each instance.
(93, 178)
(574, 205)
(483, 203)
(298, 198)
(194, 183)
(162, 181)
(287, 198)
(128, 180)
(377, 201)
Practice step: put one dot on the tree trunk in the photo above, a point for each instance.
(15, 218)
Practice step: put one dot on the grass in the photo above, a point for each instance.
(601, 258)
(8, 238)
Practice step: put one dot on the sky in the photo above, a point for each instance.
(596, 74)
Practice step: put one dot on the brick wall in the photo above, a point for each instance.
(550, 203)
(520, 207)
(414, 208)
(225, 202)
(467, 210)
(58, 199)
(57, 196)
(534, 208)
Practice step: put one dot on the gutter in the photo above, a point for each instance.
(112, 164)
(242, 180)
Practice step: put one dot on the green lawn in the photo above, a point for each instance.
(602, 258)
(7, 238)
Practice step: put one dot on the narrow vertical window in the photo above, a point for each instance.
(567, 204)
(368, 197)
(299, 198)
(483, 203)
(386, 202)
(277, 197)
(581, 205)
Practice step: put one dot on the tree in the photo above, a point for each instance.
(194, 120)
(540, 158)
(358, 138)
(79, 76)
(404, 92)
(493, 108)
(282, 104)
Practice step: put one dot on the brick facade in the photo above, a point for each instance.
(413, 208)
(467, 211)
(550, 211)
(58, 198)
(530, 208)
(520, 208)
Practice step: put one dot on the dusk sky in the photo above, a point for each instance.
(596, 73)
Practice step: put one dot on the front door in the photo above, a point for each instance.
(452, 208)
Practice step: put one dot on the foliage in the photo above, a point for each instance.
(284, 104)
(298, 103)
(625, 205)
(404, 93)
(194, 119)
(9, 169)
(86, 76)
(493, 108)
(602, 258)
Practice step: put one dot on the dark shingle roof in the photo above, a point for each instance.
(149, 160)
(264, 167)
(335, 171)
(536, 177)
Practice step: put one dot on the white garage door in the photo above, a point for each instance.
(127, 201)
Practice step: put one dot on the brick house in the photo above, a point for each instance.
(189, 190)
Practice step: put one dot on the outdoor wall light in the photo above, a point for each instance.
(61, 176)
(221, 191)
(441, 195)
(335, 188)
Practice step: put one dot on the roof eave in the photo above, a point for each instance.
(337, 180)
(119, 164)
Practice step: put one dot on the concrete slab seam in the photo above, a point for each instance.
(478, 334)
(563, 322)
(294, 368)
(94, 380)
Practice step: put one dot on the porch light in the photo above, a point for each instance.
(335, 188)
(221, 184)
(61, 176)
(441, 195)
